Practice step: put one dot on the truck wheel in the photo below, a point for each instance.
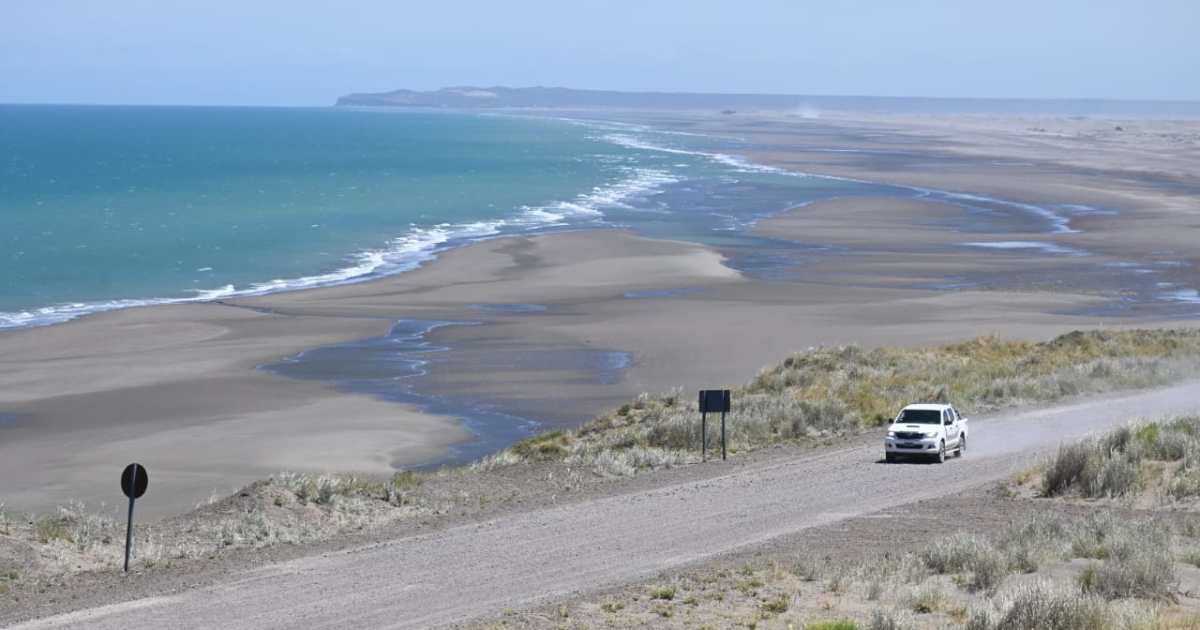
(962, 446)
(941, 455)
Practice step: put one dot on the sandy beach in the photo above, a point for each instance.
(178, 388)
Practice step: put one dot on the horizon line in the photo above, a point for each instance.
(1048, 99)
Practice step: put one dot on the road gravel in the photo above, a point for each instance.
(518, 560)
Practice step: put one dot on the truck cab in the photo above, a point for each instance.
(926, 430)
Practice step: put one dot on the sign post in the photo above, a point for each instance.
(134, 480)
(716, 401)
(722, 436)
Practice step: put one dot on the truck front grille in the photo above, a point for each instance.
(905, 435)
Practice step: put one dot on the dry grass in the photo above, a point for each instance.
(1161, 459)
(937, 587)
(287, 508)
(811, 396)
(825, 392)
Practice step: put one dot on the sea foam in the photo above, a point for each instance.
(403, 253)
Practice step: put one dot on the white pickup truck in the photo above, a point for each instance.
(926, 430)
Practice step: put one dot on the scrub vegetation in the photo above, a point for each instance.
(810, 398)
(1156, 460)
(1062, 564)
(826, 392)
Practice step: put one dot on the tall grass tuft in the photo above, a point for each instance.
(1041, 607)
(1111, 465)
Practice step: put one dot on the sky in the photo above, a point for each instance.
(299, 52)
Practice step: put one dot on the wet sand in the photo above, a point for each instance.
(177, 387)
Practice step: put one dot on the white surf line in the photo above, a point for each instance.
(1060, 224)
(403, 253)
(1189, 296)
(1049, 248)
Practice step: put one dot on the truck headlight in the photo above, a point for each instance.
(932, 434)
(891, 434)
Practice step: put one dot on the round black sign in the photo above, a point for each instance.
(134, 481)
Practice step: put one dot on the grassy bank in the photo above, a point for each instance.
(826, 392)
(810, 397)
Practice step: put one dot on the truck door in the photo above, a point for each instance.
(950, 422)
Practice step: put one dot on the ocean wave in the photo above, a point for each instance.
(591, 205)
(1190, 296)
(1049, 248)
(738, 163)
(63, 312)
(1060, 224)
(404, 253)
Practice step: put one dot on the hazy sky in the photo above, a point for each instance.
(300, 52)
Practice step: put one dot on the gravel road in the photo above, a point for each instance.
(518, 560)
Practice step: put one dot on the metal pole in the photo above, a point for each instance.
(722, 436)
(703, 436)
(129, 523)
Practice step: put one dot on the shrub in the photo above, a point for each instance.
(777, 605)
(83, 528)
(550, 445)
(612, 606)
(1118, 476)
(988, 570)
(1117, 440)
(805, 569)
(956, 554)
(1032, 540)
(832, 625)
(1174, 445)
(928, 600)
(1067, 468)
(1143, 571)
(884, 621)
(326, 489)
(979, 620)
(663, 592)
(964, 553)
(839, 583)
(1184, 484)
(1111, 465)
(1186, 425)
(1147, 437)
(50, 529)
(407, 480)
(1038, 607)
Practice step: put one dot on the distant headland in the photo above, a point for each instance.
(500, 97)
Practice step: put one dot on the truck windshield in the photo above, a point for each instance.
(920, 416)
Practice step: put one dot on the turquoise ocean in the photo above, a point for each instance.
(110, 207)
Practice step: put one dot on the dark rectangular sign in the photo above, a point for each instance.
(714, 400)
